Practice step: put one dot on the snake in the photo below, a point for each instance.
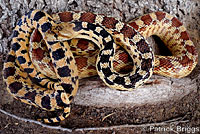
(30, 86)
(26, 83)
(168, 28)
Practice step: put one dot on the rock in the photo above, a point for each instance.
(158, 89)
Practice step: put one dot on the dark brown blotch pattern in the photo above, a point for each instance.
(109, 22)
(66, 16)
(88, 17)
(127, 31)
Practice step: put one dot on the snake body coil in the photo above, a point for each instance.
(42, 71)
(31, 86)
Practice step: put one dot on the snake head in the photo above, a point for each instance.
(61, 32)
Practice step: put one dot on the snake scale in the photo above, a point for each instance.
(42, 71)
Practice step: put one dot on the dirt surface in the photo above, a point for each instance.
(17, 117)
(184, 113)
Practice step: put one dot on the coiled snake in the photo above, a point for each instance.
(28, 81)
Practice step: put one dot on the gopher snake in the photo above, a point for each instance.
(29, 85)
(25, 81)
